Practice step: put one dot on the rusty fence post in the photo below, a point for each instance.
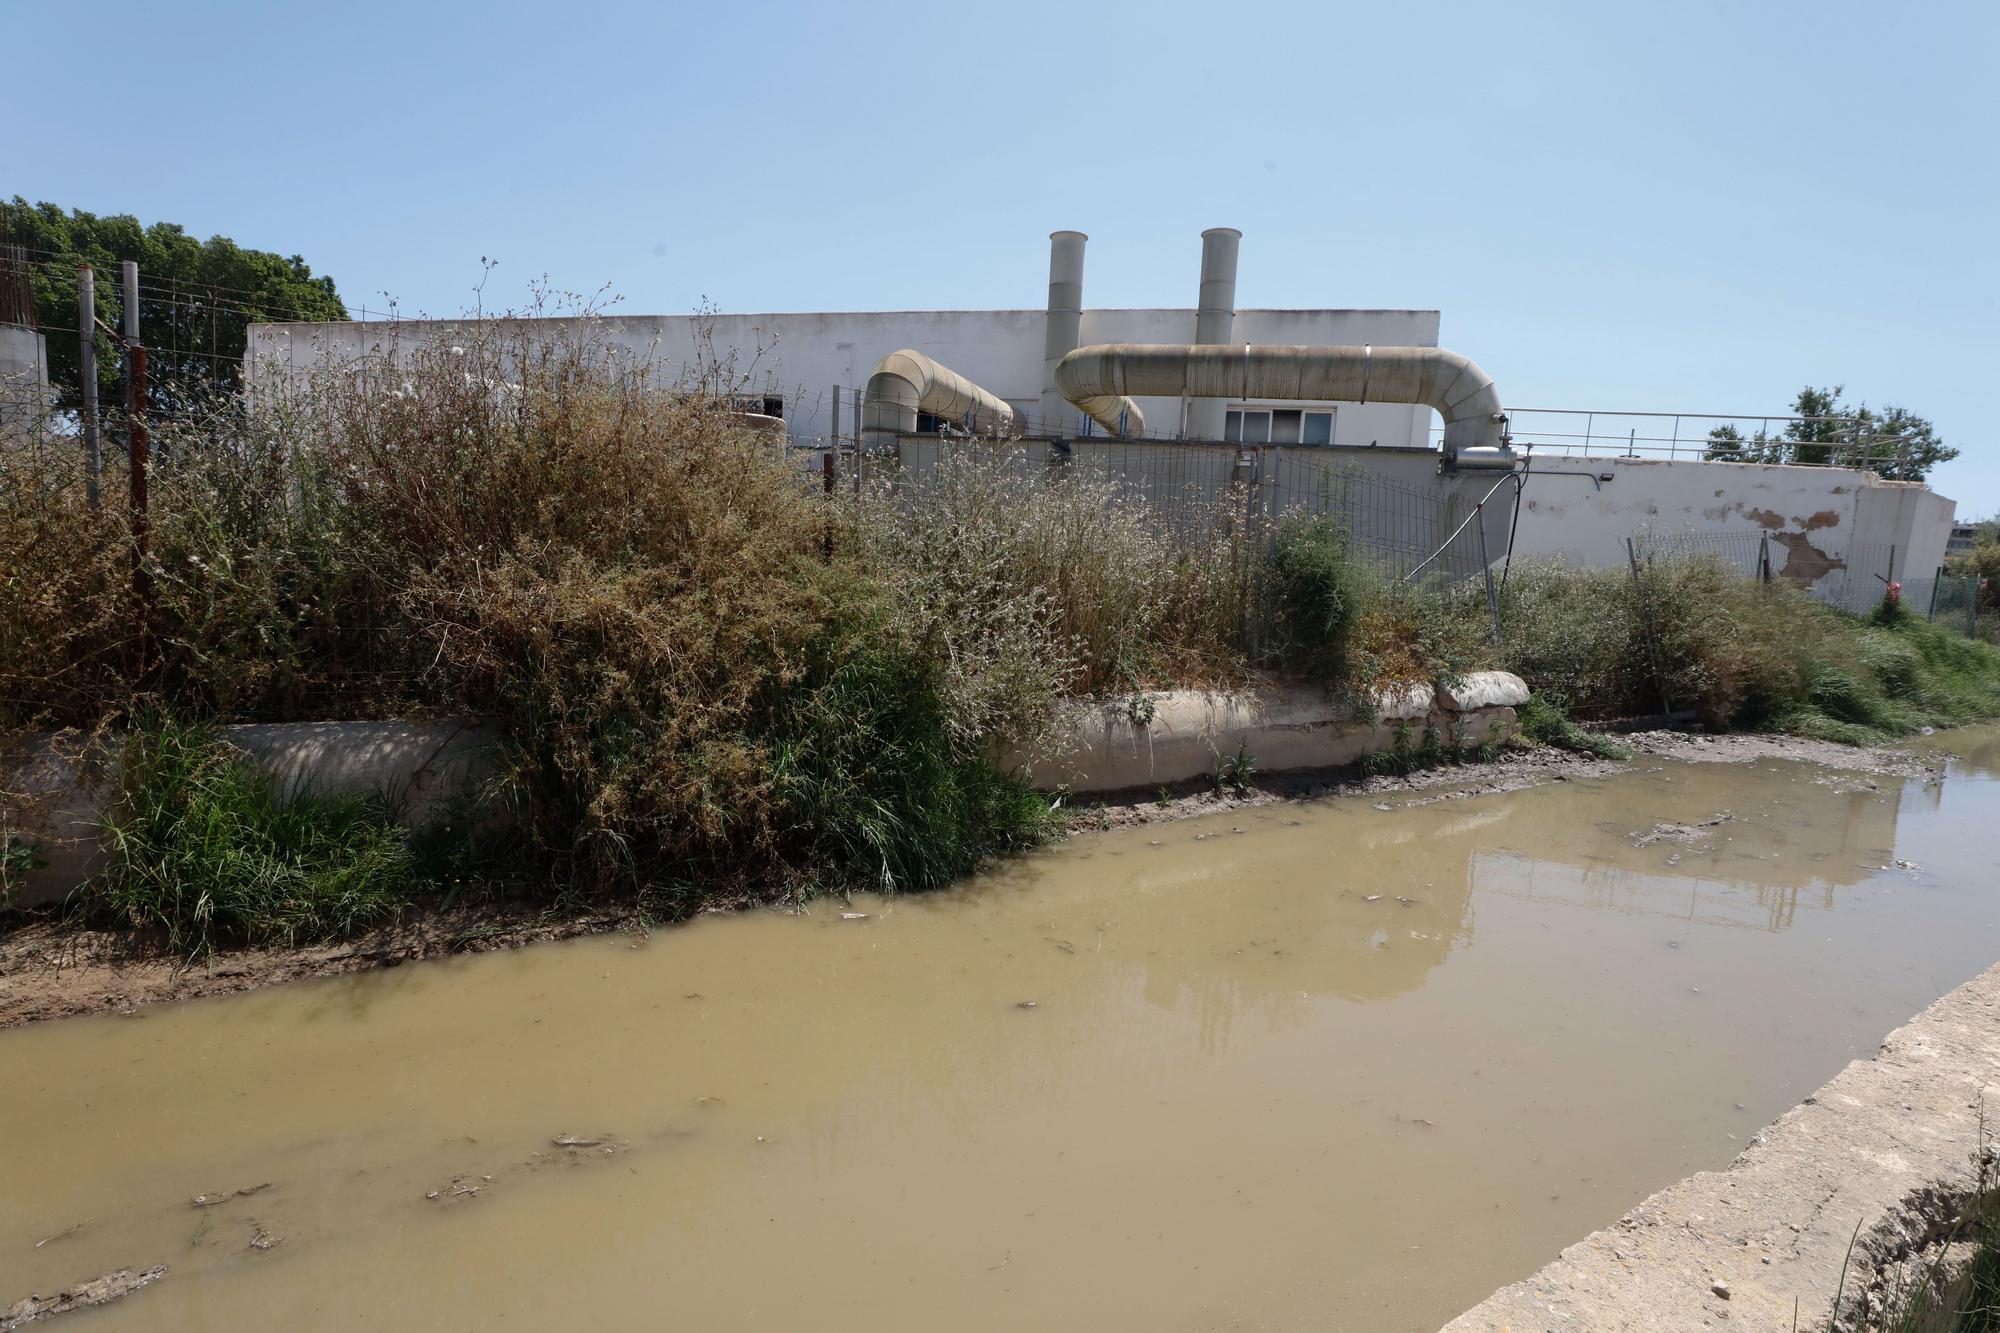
(86, 332)
(826, 479)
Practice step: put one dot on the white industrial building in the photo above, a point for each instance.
(798, 361)
(1356, 388)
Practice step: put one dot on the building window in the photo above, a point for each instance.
(1278, 425)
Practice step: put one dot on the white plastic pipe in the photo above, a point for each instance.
(908, 382)
(1458, 390)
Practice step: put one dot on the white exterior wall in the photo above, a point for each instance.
(802, 356)
(24, 379)
(1820, 520)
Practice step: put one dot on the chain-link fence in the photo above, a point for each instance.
(1856, 581)
(1398, 518)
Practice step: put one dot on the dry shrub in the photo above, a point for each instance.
(1032, 582)
(67, 623)
(533, 528)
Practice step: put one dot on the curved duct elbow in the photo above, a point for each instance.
(908, 382)
(1117, 413)
(1452, 385)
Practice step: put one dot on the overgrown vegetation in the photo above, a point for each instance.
(1691, 634)
(211, 852)
(718, 678)
(1544, 718)
(635, 583)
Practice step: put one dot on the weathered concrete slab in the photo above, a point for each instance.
(1889, 1145)
(50, 798)
(1122, 745)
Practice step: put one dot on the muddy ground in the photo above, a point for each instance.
(51, 968)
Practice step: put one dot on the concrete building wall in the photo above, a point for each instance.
(1911, 519)
(1819, 520)
(802, 356)
(24, 378)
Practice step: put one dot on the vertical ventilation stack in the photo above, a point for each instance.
(1214, 320)
(1065, 328)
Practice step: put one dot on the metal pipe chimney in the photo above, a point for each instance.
(1214, 320)
(1065, 327)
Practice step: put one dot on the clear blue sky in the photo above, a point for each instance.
(1690, 206)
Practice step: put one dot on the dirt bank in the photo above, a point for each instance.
(50, 969)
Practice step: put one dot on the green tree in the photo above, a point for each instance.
(1894, 441)
(197, 299)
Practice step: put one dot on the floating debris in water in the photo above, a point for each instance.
(84, 1295)
(1024, 1004)
(262, 1239)
(461, 1187)
(223, 1196)
(577, 1141)
(1372, 898)
(854, 916)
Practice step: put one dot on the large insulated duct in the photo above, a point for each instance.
(1214, 319)
(1462, 393)
(907, 382)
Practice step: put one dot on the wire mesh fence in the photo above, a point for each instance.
(1856, 580)
(1394, 525)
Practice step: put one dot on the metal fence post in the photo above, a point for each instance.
(141, 445)
(1486, 565)
(826, 478)
(86, 328)
(1646, 623)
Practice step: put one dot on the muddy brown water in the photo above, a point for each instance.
(1347, 1067)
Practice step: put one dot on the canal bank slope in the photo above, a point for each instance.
(1884, 1157)
(51, 968)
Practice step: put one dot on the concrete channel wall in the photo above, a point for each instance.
(1890, 1146)
(1155, 740)
(53, 795)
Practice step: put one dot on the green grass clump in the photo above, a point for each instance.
(1316, 593)
(209, 850)
(1544, 718)
(1889, 676)
(873, 792)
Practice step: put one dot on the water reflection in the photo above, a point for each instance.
(1812, 836)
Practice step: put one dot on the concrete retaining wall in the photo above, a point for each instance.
(52, 794)
(1889, 1144)
(1158, 739)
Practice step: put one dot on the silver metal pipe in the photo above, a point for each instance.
(908, 382)
(1458, 390)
